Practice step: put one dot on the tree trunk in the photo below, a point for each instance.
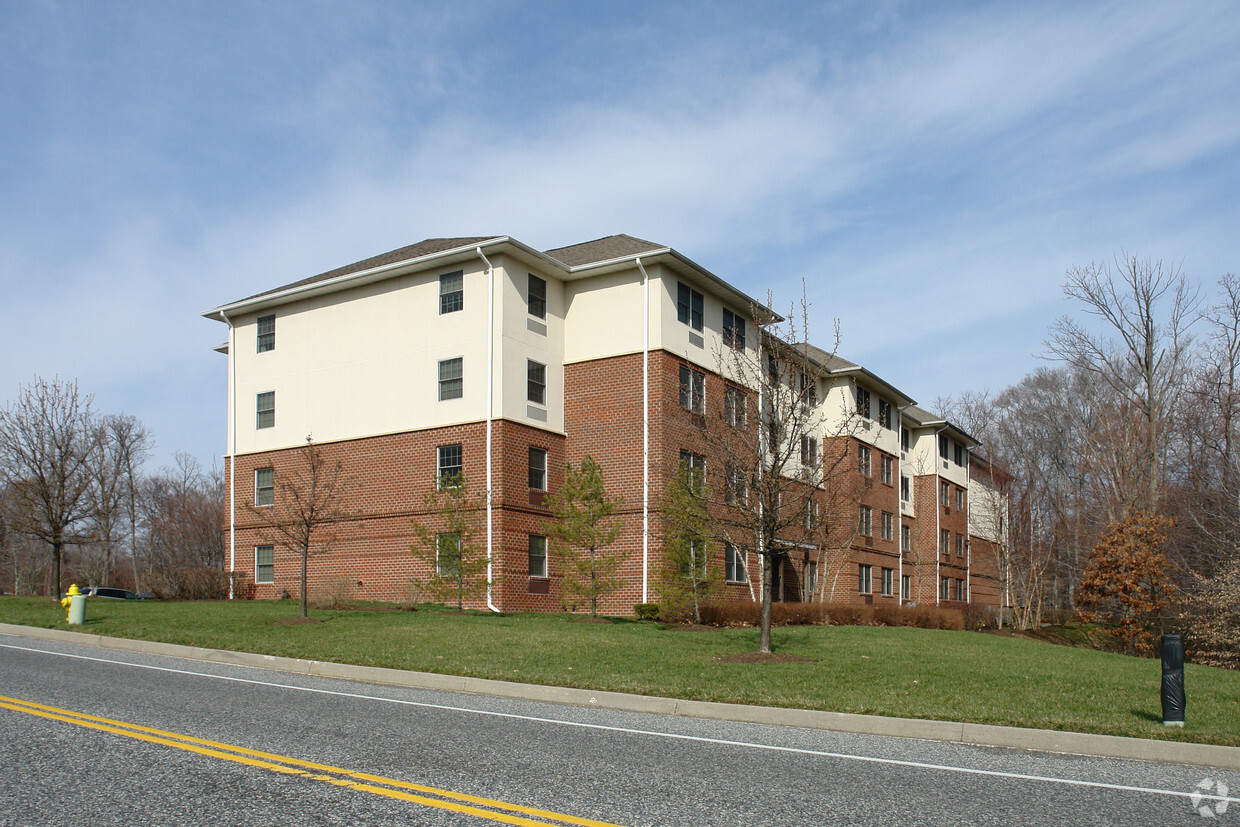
(305, 556)
(764, 644)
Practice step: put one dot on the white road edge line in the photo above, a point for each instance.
(625, 730)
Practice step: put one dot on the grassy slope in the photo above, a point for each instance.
(912, 673)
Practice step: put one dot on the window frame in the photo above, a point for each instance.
(442, 451)
(537, 548)
(736, 486)
(538, 470)
(695, 464)
(906, 489)
(268, 489)
(888, 582)
(733, 330)
(536, 299)
(265, 337)
(451, 299)
(886, 469)
(959, 545)
(690, 307)
(960, 498)
(865, 578)
(735, 407)
(451, 387)
(906, 538)
(884, 413)
(945, 493)
(264, 417)
(440, 569)
(888, 525)
(865, 521)
(906, 587)
(945, 541)
(268, 551)
(535, 382)
(809, 451)
(692, 389)
(864, 461)
(734, 568)
(863, 403)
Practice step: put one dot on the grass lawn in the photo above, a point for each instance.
(909, 673)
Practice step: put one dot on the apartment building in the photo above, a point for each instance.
(487, 357)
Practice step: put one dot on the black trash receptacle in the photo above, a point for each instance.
(1173, 680)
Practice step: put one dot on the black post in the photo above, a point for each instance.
(1173, 700)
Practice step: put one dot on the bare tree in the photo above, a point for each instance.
(776, 487)
(45, 456)
(309, 504)
(181, 510)
(1147, 308)
(120, 444)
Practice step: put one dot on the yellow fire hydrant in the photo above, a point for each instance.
(74, 603)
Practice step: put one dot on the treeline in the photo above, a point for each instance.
(77, 503)
(1120, 460)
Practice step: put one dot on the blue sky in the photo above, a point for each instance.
(929, 169)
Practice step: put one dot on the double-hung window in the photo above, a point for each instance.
(736, 490)
(733, 330)
(449, 463)
(887, 582)
(536, 382)
(906, 489)
(264, 564)
(538, 469)
(884, 413)
(536, 296)
(863, 460)
(944, 587)
(692, 389)
(960, 545)
(906, 538)
(266, 333)
(451, 292)
(538, 555)
(887, 470)
(906, 586)
(864, 582)
(865, 522)
(960, 498)
(265, 410)
(809, 451)
(945, 541)
(863, 402)
(734, 406)
(695, 468)
(888, 524)
(733, 564)
(265, 486)
(905, 438)
(451, 379)
(945, 493)
(689, 306)
(944, 447)
(448, 554)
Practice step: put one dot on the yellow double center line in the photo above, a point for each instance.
(473, 805)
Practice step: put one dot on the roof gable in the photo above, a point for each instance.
(603, 249)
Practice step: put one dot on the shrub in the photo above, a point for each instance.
(731, 613)
(799, 614)
(848, 614)
(977, 616)
(334, 594)
(646, 611)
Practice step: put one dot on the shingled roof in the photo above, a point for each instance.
(423, 248)
(603, 249)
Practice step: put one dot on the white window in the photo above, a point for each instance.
(864, 581)
(959, 590)
(688, 306)
(734, 407)
(809, 391)
(264, 564)
(906, 586)
(906, 489)
(887, 465)
(945, 541)
(736, 491)
(811, 515)
(906, 538)
(887, 582)
(945, 493)
(863, 402)
(266, 333)
(448, 554)
(863, 460)
(451, 382)
(695, 466)
(888, 525)
(944, 446)
(905, 439)
(265, 486)
(960, 545)
(733, 564)
(865, 522)
(451, 292)
(536, 296)
(265, 410)
(538, 555)
(960, 498)
(811, 579)
(733, 330)
(536, 382)
(809, 451)
(884, 413)
(944, 588)
(538, 469)
(449, 463)
(692, 389)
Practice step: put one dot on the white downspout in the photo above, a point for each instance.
(232, 460)
(645, 432)
(762, 449)
(490, 413)
(938, 521)
(968, 528)
(900, 502)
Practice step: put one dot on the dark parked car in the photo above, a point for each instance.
(117, 594)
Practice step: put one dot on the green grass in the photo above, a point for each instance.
(909, 673)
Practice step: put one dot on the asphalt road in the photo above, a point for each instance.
(94, 736)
